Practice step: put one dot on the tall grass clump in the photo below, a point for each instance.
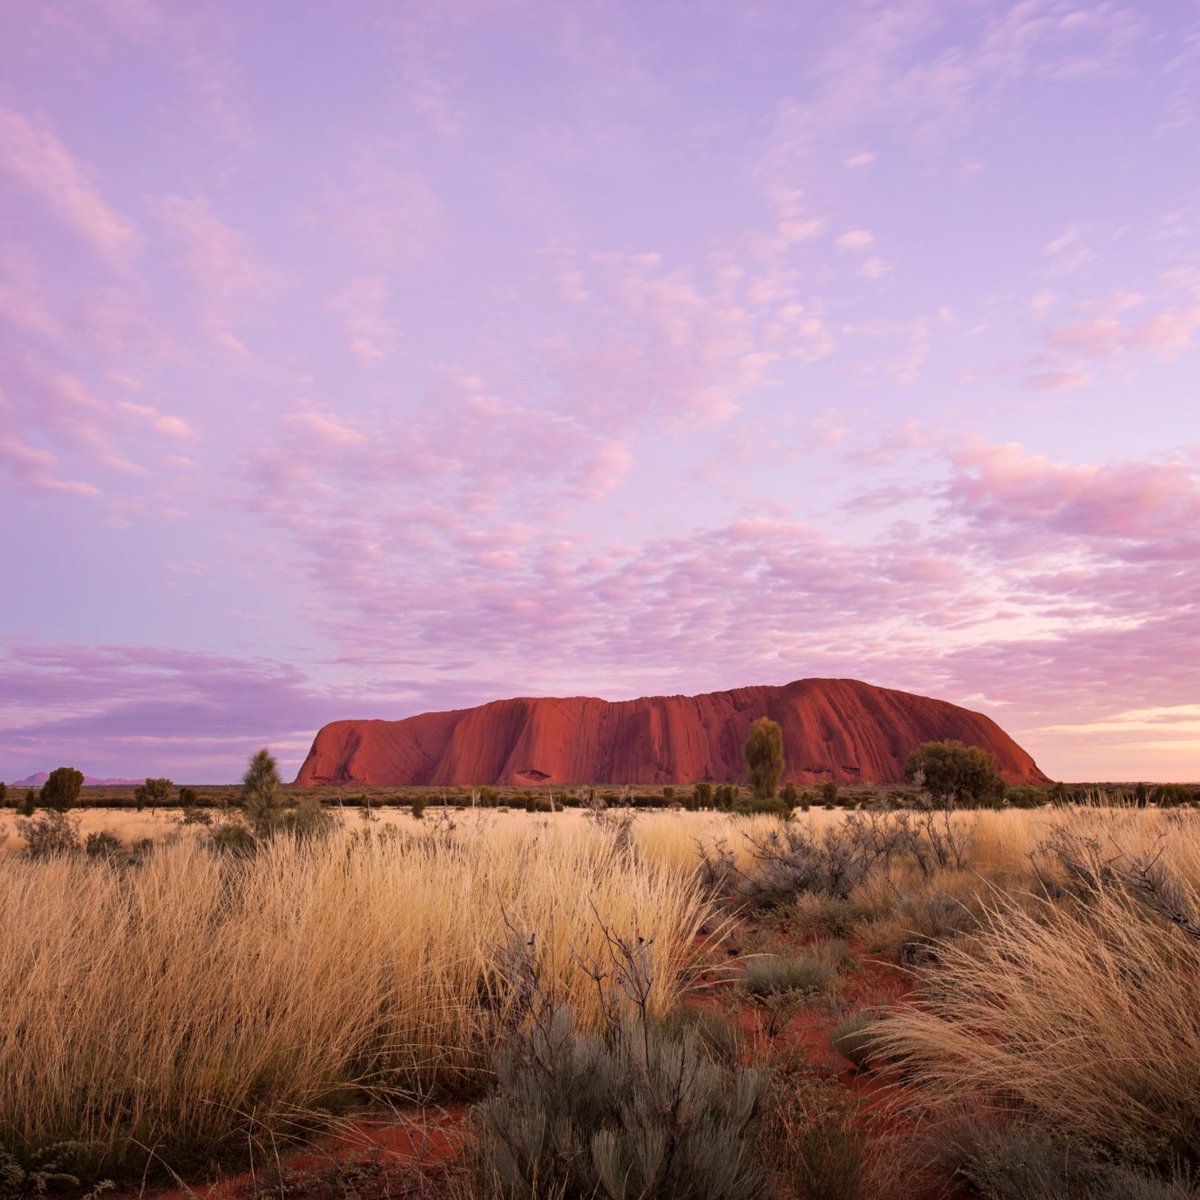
(165, 1012)
(1081, 1015)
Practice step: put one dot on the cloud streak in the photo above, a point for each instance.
(33, 154)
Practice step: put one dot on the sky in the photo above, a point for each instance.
(363, 359)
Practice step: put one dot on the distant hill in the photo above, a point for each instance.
(36, 780)
(839, 729)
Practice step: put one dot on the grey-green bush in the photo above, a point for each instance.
(50, 834)
(638, 1112)
(1020, 1163)
(772, 974)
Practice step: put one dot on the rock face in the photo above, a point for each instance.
(832, 729)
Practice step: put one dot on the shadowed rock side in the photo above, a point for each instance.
(832, 729)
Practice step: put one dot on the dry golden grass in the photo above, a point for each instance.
(172, 1008)
(197, 999)
(128, 824)
(1081, 1014)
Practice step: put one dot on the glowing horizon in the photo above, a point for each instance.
(363, 362)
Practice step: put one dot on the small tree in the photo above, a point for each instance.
(29, 804)
(3, 794)
(952, 771)
(152, 792)
(763, 753)
(61, 789)
(260, 792)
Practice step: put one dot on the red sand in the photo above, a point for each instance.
(413, 1148)
(838, 729)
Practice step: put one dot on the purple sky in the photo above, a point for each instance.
(361, 359)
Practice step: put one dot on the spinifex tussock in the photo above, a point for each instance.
(177, 1007)
(1082, 1015)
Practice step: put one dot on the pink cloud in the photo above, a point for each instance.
(1092, 339)
(167, 424)
(224, 268)
(1165, 333)
(217, 255)
(32, 152)
(1020, 504)
(35, 470)
(1055, 381)
(855, 239)
(386, 212)
(362, 305)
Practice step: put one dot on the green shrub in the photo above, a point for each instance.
(789, 795)
(29, 805)
(829, 793)
(955, 773)
(417, 808)
(3, 793)
(1026, 797)
(636, 1112)
(142, 849)
(763, 753)
(827, 916)
(104, 844)
(726, 796)
(771, 806)
(702, 795)
(307, 820)
(153, 792)
(772, 974)
(233, 837)
(61, 789)
(1171, 795)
